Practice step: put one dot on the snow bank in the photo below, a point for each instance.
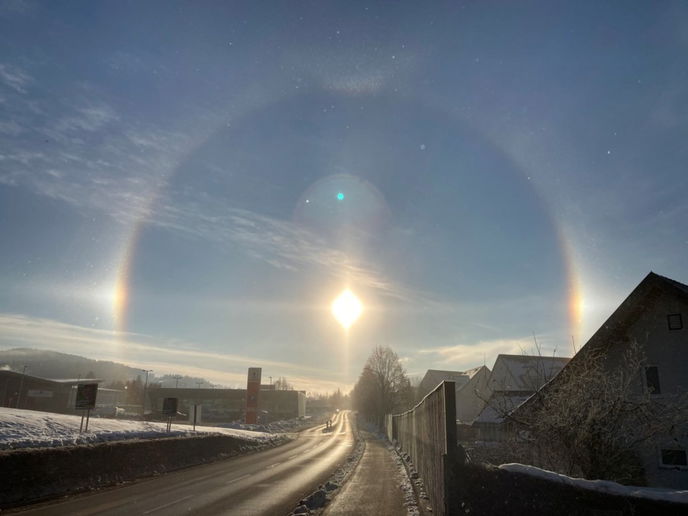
(30, 429)
(603, 486)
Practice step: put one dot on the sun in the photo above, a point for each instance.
(347, 308)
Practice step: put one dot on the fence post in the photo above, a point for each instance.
(450, 456)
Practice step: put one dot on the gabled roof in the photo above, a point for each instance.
(473, 375)
(639, 300)
(436, 376)
(523, 373)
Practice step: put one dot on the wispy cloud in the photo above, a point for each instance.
(466, 356)
(14, 77)
(163, 356)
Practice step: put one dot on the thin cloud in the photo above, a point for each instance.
(14, 77)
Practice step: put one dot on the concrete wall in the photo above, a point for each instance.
(482, 489)
(427, 433)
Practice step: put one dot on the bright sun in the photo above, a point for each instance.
(346, 308)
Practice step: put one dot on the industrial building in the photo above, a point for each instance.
(225, 405)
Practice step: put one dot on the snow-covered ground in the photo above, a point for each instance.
(604, 486)
(30, 429)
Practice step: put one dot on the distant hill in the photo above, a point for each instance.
(52, 364)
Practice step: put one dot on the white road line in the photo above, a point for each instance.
(164, 506)
(238, 478)
(273, 465)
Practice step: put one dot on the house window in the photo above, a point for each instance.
(652, 379)
(674, 457)
(675, 321)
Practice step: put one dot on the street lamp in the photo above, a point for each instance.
(145, 387)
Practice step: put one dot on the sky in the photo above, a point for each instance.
(185, 187)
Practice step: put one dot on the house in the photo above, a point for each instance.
(470, 388)
(471, 396)
(434, 377)
(653, 318)
(514, 379)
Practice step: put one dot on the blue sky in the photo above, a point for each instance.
(169, 176)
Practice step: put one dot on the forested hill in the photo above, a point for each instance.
(52, 364)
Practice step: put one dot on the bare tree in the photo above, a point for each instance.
(596, 414)
(281, 384)
(383, 386)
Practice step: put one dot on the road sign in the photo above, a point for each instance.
(252, 390)
(86, 396)
(169, 406)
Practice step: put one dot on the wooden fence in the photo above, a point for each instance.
(427, 433)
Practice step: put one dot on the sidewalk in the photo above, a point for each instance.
(374, 486)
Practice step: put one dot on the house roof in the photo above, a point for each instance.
(434, 377)
(498, 406)
(473, 374)
(61, 381)
(524, 373)
(640, 299)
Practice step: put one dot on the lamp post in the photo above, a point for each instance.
(145, 387)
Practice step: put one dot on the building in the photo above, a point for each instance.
(470, 389)
(654, 317)
(471, 396)
(434, 377)
(514, 379)
(24, 391)
(226, 405)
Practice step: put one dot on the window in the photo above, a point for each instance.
(674, 457)
(675, 321)
(652, 379)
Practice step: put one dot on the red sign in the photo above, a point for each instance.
(252, 390)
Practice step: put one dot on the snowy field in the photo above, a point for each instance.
(31, 429)
(604, 486)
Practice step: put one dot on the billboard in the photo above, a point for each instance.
(252, 390)
(169, 406)
(86, 396)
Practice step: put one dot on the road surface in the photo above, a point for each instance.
(268, 482)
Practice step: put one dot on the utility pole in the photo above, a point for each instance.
(145, 387)
(198, 384)
(176, 380)
(21, 384)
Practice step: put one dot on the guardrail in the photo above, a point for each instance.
(427, 433)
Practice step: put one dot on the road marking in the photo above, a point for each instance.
(293, 456)
(273, 465)
(238, 478)
(164, 506)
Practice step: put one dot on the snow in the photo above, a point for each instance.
(603, 486)
(31, 429)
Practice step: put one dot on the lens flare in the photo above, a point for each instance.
(347, 308)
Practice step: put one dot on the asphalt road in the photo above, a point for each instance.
(269, 482)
